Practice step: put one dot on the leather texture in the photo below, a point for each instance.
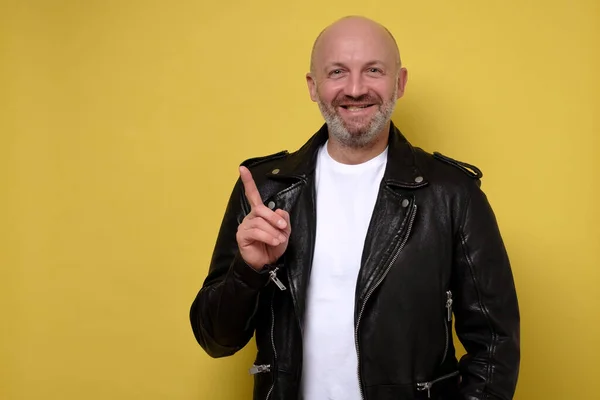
(433, 256)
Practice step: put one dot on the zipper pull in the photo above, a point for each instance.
(275, 279)
(449, 304)
(425, 386)
(257, 369)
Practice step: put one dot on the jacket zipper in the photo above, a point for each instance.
(259, 369)
(449, 305)
(428, 385)
(449, 320)
(273, 345)
(370, 292)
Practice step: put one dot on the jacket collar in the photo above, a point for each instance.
(401, 169)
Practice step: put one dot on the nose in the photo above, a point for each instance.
(355, 86)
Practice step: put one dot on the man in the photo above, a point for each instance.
(349, 258)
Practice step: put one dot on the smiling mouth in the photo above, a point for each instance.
(356, 107)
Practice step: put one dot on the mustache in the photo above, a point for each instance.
(360, 100)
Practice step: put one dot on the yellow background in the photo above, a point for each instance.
(122, 124)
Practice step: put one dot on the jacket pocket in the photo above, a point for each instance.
(263, 381)
(263, 374)
(428, 386)
(448, 324)
(272, 337)
(264, 369)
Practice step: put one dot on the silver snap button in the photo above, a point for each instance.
(271, 205)
(419, 179)
(405, 203)
(275, 171)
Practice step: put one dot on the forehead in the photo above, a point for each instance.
(355, 46)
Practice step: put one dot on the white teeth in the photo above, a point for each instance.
(354, 108)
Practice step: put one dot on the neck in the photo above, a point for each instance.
(350, 155)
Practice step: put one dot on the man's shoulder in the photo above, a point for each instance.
(469, 170)
(263, 160)
(446, 170)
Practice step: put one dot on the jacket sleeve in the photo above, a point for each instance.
(222, 314)
(486, 306)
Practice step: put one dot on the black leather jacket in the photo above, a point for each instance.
(433, 251)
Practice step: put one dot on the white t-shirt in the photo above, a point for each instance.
(345, 196)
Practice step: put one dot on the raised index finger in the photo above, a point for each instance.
(250, 188)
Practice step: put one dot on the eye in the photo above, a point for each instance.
(374, 70)
(337, 73)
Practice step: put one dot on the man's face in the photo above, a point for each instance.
(356, 82)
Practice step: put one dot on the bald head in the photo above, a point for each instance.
(349, 28)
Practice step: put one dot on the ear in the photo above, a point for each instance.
(402, 79)
(312, 86)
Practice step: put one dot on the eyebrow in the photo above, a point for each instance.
(342, 65)
(375, 62)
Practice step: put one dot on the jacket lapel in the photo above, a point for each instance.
(391, 221)
(299, 200)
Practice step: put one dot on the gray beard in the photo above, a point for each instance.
(362, 138)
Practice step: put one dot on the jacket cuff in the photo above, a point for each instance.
(249, 276)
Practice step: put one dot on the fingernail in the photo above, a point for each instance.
(281, 223)
(276, 242)
(281, 238)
